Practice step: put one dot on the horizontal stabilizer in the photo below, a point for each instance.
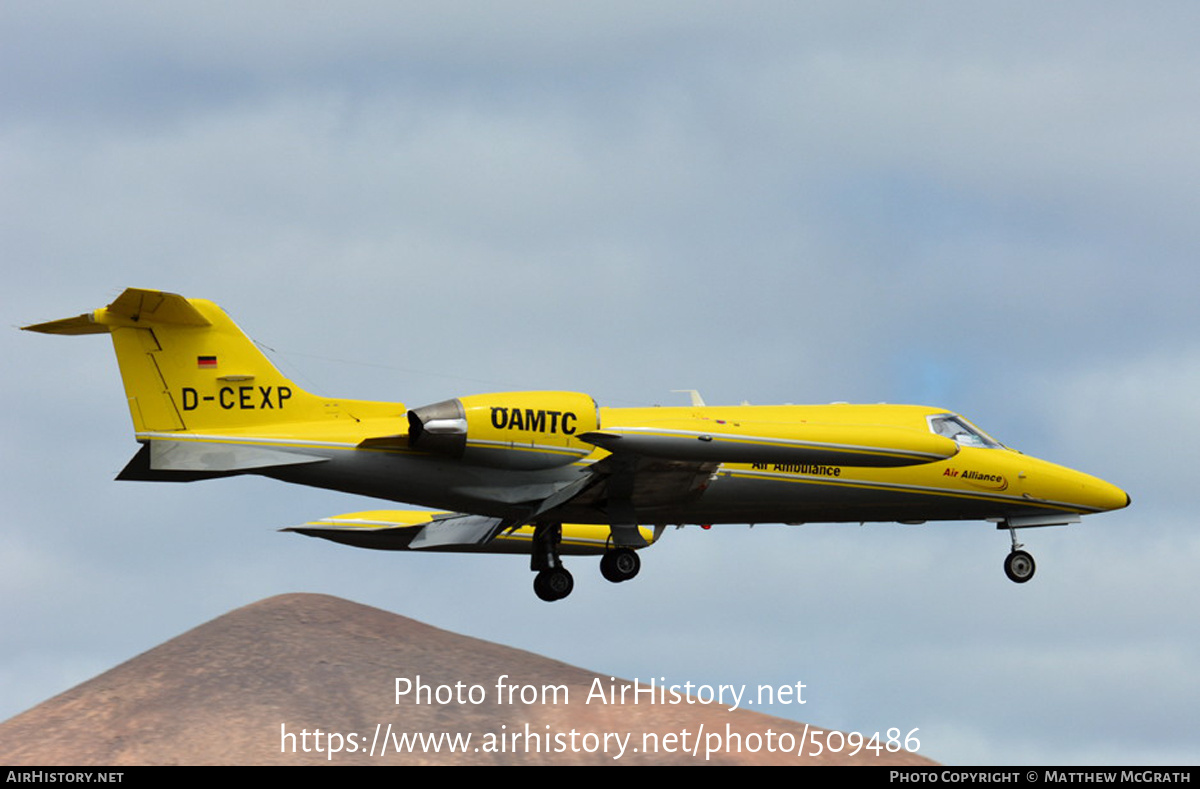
(138, 304)
(81, 324)
(134, 304)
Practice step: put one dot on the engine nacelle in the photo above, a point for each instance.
(518, 430)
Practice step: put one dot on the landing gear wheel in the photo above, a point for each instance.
(551, 585)
(620, 565)
(552, 581)
(1019, 567)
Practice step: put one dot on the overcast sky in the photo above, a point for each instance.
(991, 210)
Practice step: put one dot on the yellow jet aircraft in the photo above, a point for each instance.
(551, 473)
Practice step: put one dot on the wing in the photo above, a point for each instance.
(413, 530)
(725, 441)
(671, 462)
(399, 530)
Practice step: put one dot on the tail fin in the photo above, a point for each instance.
(187, 366)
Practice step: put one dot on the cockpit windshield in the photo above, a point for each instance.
(961, 431)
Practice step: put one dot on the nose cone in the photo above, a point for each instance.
(1091, 494)
(1104, 496)
(1070, 488)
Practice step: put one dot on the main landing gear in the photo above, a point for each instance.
(620, 565)
(1018, 565)
(551, 585)
(554, 582)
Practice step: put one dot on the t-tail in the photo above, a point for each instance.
(188, 370)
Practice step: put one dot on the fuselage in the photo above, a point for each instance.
(982, 480)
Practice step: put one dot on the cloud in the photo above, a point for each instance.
(988, 209)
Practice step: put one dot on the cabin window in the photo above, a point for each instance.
(961, 431)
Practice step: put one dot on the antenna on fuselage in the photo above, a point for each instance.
(697, 400)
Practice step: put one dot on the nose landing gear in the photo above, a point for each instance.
(1018, 565)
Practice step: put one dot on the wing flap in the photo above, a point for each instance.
(458, 530)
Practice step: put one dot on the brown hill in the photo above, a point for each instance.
(255, 686)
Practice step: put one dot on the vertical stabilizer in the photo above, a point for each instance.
(187, 366)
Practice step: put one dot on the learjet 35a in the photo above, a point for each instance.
(550, 473)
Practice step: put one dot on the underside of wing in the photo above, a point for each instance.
(412, 530)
